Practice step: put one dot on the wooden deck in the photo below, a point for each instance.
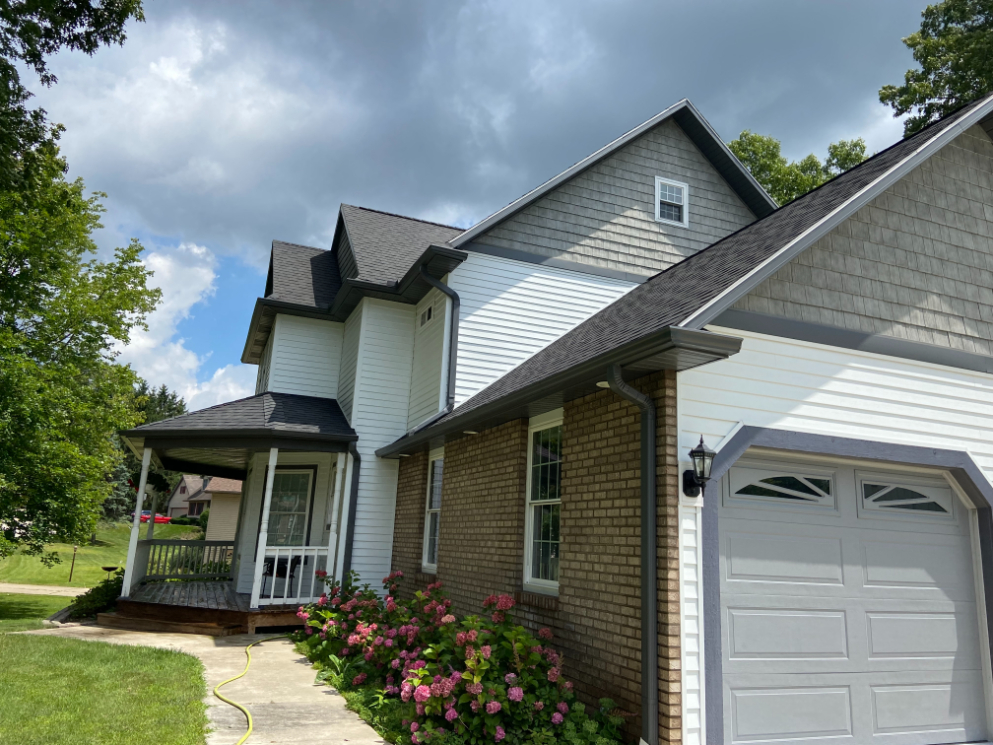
(206, 594)
(214, 602)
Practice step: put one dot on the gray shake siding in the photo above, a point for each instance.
(916, 263)
(605, 216)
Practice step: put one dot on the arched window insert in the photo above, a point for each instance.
(895, 497)
(790, 487)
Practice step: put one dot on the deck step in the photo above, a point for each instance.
(115, 621)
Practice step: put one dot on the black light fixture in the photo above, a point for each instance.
(696, 478)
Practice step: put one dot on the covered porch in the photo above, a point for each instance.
(294, 455)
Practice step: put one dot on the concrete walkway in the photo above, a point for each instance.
(287, 707)
(66, 592)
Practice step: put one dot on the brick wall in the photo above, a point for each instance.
(596, 617)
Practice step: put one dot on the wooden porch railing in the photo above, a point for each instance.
(171, 559)
(288, 574)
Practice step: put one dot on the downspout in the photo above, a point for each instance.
(353, 501)
(649, 557)
(453, 344)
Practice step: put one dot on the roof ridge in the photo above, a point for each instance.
(402, 217)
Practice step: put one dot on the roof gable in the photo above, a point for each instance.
(302, 275)
(699, 132)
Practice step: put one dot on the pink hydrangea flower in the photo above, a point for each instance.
(556, 718)
(497, 617)
(448, 619)
(544, 633)
(493, 707)
(539, 705)
(359, 679)
(472, 635)
(414, 726)
(451, 715)
(422, 694)
(474, 705)
(563, 707)
(486, 650)
(509, 677)
(500, 734)
(474, 688)
(504, 602)
(516, 694)
(309, 630)
(553, 674)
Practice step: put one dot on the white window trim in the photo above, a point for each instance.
(537, 424)
(437, 454)
(659, 180)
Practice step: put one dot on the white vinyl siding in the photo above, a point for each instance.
(426, 395)
(379, 416)
(262, 380)
(512, 309)
(349, 359)
(800, 386)
(306, 356)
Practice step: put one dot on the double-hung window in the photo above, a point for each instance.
(672, 200)
(432, 511)
(542, 542)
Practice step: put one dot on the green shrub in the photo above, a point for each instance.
(183, 520)
(204, 517)
(98, 599)
(474, 680)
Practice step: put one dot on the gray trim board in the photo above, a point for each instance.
(572, 266)
(956, 462)
(834, 336)
(696, 128)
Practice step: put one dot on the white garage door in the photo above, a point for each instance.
(848, 607)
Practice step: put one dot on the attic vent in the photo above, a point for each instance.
(671, 202)
(426, 315)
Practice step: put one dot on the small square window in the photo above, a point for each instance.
(671, 202)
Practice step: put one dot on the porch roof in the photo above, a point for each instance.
(219, 441)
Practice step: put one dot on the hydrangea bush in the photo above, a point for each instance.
(476, 679)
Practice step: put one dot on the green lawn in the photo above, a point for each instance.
(111, 549)
(70, 692)
(26, 612)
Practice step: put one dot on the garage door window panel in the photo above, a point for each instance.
(924, 500)
(777, 488)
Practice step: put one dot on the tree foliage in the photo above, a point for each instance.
(62, 314)
(785, 181)
(954, 49)
(31, 31)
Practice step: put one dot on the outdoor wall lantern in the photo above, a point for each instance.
(694, 479)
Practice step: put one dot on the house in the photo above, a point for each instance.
(194, 494)
(511, 408)
(188, 486)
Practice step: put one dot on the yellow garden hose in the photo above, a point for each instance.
(225, 699)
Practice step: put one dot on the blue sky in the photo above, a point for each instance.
(220, 126)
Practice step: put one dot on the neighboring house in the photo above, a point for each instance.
(510, 408)
(188, 486)
(222, 496)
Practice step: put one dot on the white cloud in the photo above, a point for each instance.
(227, 384)
(186, 275)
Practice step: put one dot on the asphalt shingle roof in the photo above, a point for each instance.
(304, 275)
(671, 297)
(265, 412)
(387, 245)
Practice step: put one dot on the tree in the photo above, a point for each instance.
(31, 31)
(785, 181)
(954, 49)
(62, 312)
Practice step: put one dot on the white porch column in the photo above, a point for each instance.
(146, 458)
(264, 529)
(333, 508)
